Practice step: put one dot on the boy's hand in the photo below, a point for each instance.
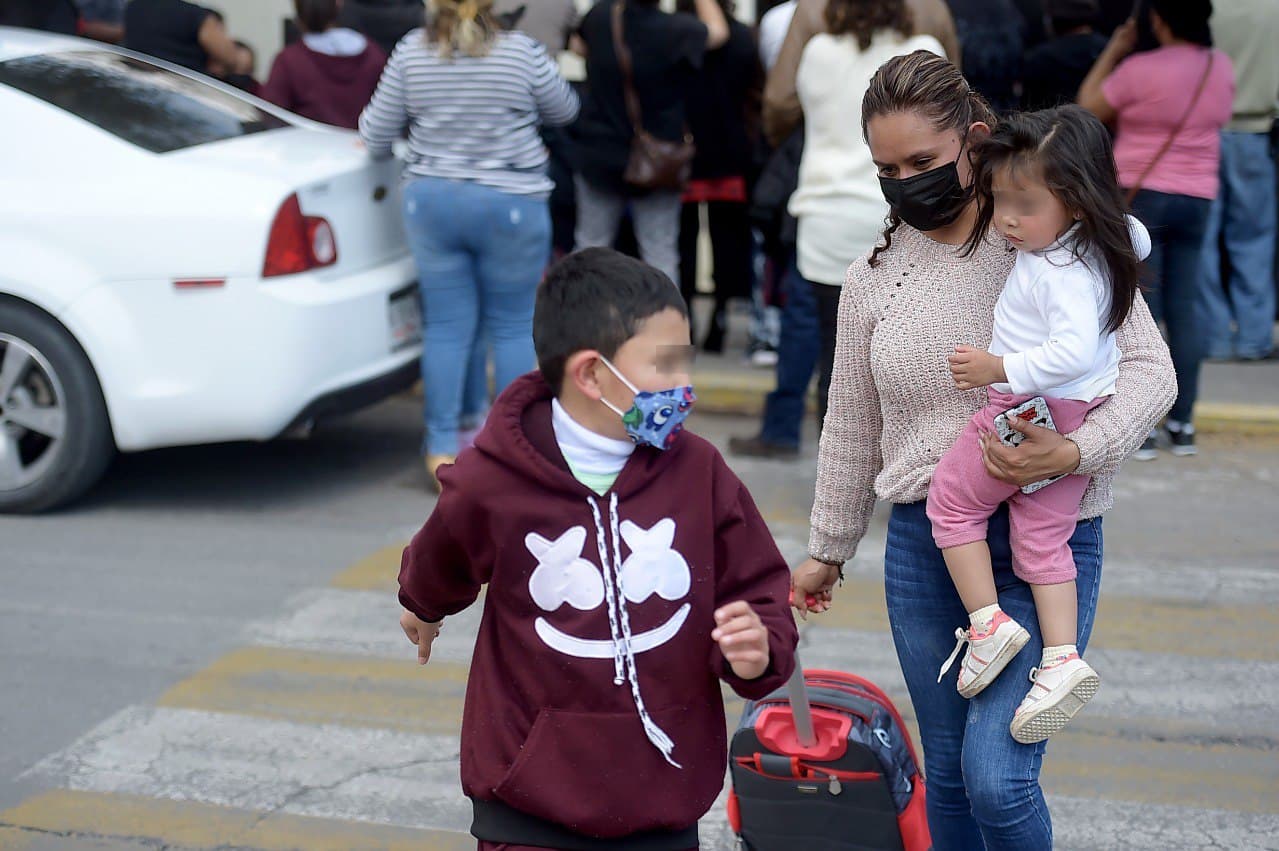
(972, 367)
(742, 639)
(420, 633)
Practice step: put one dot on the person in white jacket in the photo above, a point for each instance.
(1046, 181)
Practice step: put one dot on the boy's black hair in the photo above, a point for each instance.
(596, 298)
(1070, 150)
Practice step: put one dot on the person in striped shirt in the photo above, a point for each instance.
(472, 98)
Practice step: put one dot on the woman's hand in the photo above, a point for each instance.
(812, 578)
(1123, 40)
(1042, 454)
(1090, 96)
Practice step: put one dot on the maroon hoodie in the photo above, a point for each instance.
(330, 89)
(593, 705)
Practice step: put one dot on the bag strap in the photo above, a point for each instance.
(624, 63)
(1199, 90)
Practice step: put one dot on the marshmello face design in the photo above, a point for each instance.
(563, 577)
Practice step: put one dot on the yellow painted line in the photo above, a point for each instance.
(373, 572)
(1242, 632)
(326, 688)
(1237, 419)
(190, 825)
(1223, 777)
(17, 839)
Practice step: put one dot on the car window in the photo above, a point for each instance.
(150, 106)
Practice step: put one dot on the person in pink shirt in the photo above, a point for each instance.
(1168, 107)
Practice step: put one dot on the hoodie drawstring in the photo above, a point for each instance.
(620, 626)
(614, 629)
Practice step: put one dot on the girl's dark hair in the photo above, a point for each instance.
(1067, 148)
(863, 18)
(926, 83)
(316, 16)
(1188, 19)
(596, 298)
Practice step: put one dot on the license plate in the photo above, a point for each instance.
(405, 315)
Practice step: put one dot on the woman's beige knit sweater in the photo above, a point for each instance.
(894, 408)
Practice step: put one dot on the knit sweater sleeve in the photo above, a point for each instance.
(1144, 391)
(850, 456)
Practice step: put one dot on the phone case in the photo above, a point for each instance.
(1034, 411)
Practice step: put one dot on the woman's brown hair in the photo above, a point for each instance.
(316, 16)
(461, 26)
(926, 83)
(863, 18)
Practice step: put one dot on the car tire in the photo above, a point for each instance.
(50, 372)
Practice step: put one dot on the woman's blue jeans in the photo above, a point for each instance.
(983, 787)
(1177, 225)
(480, 254)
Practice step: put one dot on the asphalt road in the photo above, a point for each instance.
(204, 653)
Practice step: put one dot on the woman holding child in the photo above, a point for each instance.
(911, 316)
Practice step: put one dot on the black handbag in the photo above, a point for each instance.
(653, 163)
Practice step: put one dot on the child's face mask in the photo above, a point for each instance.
(655, 418)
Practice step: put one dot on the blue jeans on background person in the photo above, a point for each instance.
(480, 254)
(983, 786)
(798, 349)
(1177, 224)
(1243, 216)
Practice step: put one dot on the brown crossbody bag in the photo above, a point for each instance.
(1172, 137)
(653, 163)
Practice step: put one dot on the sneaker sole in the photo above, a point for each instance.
(997, 665)
(1183, 451)
(1145, 455)
(1036, 725)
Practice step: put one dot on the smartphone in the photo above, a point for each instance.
(1034, 411)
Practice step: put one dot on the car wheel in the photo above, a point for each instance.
(55, 437)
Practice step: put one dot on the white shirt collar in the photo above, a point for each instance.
(336, 42)
(586, 451)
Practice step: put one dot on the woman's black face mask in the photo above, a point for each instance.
(928, 200)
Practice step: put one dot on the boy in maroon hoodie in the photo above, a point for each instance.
(628, 572)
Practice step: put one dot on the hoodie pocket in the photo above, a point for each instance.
(596, 774)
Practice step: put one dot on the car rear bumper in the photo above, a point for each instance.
(243, 361)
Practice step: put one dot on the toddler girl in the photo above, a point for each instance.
(1046, 181)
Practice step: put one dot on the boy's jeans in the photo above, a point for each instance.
(983, 787)
(1244, 216)
(480, 253)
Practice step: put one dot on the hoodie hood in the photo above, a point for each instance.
(518, 435)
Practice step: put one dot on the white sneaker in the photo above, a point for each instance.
(1059, 691)
(988, 653)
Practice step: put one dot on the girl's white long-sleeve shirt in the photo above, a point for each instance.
(1050, 323)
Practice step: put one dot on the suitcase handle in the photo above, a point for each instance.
(801, 710)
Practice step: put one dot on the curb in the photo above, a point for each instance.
(742, 394)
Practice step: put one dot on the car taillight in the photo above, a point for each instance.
(298, 243)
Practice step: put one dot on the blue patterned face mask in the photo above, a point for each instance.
(655, 418)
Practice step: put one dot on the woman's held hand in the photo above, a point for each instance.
(1043, 453)
(812, 579)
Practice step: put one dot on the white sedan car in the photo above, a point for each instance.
(179, 264)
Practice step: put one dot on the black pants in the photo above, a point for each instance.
(731, 249)
(828, 323)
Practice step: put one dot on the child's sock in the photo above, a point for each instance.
(981, 618)
(1053, 655)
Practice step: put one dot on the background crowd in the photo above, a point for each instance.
(510, 165)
